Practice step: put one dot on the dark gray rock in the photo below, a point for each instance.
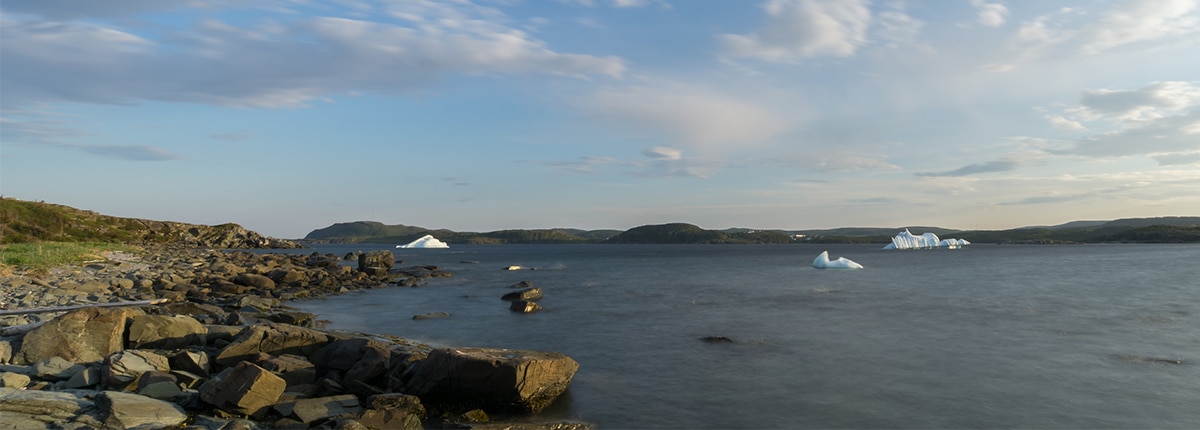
(529, 294)
(491, 378)
(79, 336)
(122, 369)
(126, 411)
(245, 389)
(165, 332)
(272, 339)
(322, 408)
(383, 259)
(254, 280)
(524, 306)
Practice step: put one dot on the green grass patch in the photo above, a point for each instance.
(53, 254)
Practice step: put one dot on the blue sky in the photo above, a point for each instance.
(290, 115)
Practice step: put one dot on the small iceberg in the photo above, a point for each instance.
(426, 241)
(907, 240)
(823, 262)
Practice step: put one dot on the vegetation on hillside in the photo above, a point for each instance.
(31, 222)
(42, 255)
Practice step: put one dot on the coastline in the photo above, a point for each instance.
(226, 323)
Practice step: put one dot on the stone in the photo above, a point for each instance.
(524, 306)
(243, 389)
(257, 303)
(56, 369)
(525, 294)
(274, 339)
(321, 408)
(161, 390)
(30, 409)
(6, 350)
(254, 280)
(165, 332)
(125, 410)
(522, 285)
(492, 378)
(122, 369)
(302, 319)
(79, 336)
(222, 332)
(431, 315)
(200, 311)
(393, 411)
(190, 360)
(13, 380)
(89, 377)
(382, 259)
(294, 369)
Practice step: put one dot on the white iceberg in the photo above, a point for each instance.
(823, 262)
(907, 240)
(426, 241)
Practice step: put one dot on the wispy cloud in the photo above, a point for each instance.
(1162, 117)
(990, 14)
(798, 29)
(975, 169)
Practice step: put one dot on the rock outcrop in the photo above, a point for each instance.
(490, 378)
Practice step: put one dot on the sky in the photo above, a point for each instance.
(287, 116)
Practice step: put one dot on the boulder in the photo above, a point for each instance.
(165, 332)
(294, 369)
(322, 408)
(56, 369)
(125, 410)
(272, 339)
(122, 369)
(29, 409)
(13, 380)
(529, 294)
(190, 360)
(243, 389)
(207, 314)
(491, 378)
(254, 280)
(383, 259)
(524, 306)
(393, 411)
(79, 336)
(522, 285)
(89, 377)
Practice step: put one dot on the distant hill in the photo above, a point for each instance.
(1121, 230)
(24, 222)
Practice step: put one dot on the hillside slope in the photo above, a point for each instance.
(24, 221)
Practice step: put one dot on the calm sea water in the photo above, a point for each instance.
(991, 336)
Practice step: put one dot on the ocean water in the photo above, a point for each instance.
(990, 336)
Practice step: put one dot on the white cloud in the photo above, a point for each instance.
(990, 14)
(277, 64)
(1141, 20)
(689, 117)
(1068, 31)
(1178, 158)
(1154, 101)
(1160, 118)
(798, 29)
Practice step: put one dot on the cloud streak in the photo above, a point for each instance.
(798, 29)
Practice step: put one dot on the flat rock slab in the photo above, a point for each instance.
(125, 410)
(492, 378)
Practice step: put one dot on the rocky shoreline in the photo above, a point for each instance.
(223, 351)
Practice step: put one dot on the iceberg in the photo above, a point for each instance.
(426, 241)
(823, 262)
(907, 240)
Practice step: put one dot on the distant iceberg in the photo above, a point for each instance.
(823, 262)
(907, 240)
(426, 241)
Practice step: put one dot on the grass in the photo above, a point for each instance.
(44, 255)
